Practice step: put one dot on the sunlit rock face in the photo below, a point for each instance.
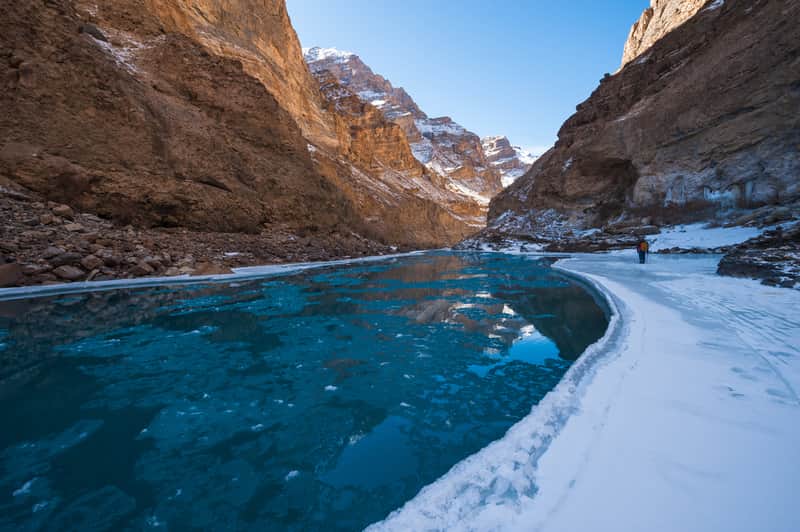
(657, 20)
(260, 35)
(703, 123)
(445, 148)
(204, 115)
(397, 196)
(134, 110)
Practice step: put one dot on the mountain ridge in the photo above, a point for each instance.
(703, 126)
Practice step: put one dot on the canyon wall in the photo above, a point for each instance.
(453, 158)
(704, 123)
(107, 110)
(204, 115)
(657, 20)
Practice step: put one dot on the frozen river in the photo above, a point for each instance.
(321, 399)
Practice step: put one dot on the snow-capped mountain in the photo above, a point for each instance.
(442, 145)
(511, 161)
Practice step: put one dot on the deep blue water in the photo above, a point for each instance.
(316, 401)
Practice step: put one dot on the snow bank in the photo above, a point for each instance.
(700, 236)
(683, 417)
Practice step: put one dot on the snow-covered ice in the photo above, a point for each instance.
(700, 236)
(685, 416)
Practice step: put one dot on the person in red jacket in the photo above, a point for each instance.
(643, 248)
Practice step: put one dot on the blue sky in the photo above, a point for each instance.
(516, 68)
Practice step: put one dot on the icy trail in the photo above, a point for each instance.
(685, 417)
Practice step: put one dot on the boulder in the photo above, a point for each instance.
(51, 252)
(69, 257)
(211, 268)
(91, 262)
(141, 269)
(74, 228)
(63, 211)
(10, 274)
(69, 273)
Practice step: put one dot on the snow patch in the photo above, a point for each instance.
(316, 53)
(699, 235)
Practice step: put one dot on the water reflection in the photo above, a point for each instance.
(275, 402)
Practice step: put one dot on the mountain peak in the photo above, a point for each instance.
(511, 161)
(317, 53)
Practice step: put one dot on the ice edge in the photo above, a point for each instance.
(244, 273)
(540, 427)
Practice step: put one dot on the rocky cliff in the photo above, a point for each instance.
(134, 111)
(396, 195)
(657, 20)
(705, 123)
(107, 110)
(444, 147)
(190, 133)
(259, 34)
(511, 161)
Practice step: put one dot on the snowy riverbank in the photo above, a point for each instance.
(683, 417)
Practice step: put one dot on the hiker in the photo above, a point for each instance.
(642, 247)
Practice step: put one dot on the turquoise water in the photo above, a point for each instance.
(316, 401)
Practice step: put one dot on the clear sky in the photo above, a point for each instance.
(515, 68)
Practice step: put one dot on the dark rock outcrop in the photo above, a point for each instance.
(705, 122)
(774, 258)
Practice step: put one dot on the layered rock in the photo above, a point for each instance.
(368, 151)
(259, 34)
(511, 161)
(105, 111)
(399, 198)
(706, 124)
(443, 146)
(199, 116)
(657, 20)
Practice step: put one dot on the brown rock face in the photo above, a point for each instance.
(149, 127)
(399, 197)
(260, 35)
(657, 20)
(707, 123)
